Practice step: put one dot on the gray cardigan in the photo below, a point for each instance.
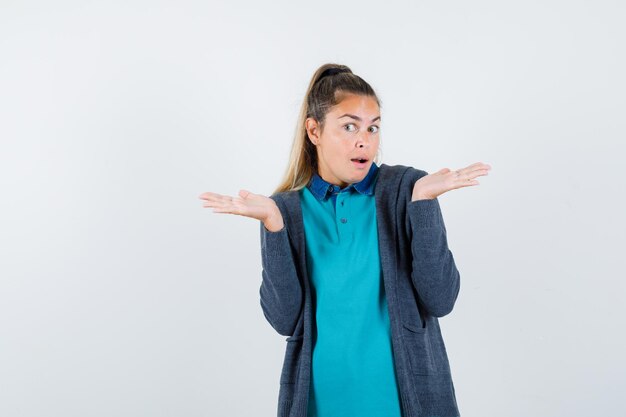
(421, 284)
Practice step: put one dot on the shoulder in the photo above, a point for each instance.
(402, 173)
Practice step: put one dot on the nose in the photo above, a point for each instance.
(362, 140)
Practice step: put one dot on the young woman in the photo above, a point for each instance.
(356, 267)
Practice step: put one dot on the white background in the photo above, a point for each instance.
(121, 296)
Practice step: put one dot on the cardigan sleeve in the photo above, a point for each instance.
(280, 291)
(434, 272)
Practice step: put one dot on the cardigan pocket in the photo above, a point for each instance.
(427, 356)
(293, 352)
(418, 347)
(414, 328)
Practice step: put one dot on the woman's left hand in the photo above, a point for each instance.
(433, 185)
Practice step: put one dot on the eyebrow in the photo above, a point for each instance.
(357, 117)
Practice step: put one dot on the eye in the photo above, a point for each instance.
(376, 128)
(349, 124)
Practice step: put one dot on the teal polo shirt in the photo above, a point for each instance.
(352, 371)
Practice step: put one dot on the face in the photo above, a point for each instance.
(351, 131)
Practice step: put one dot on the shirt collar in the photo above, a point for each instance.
(321, 189)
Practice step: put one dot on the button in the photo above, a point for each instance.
(344, 220)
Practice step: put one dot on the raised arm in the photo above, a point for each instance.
(280, 291)
(434, 273)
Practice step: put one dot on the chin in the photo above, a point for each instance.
(361, 175)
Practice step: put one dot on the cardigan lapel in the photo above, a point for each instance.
(385, 194)
(294, 221)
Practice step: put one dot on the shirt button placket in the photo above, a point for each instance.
(341, 215)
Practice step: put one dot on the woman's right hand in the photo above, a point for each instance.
(247, 204)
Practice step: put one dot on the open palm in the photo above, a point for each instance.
(433, 185)
(247, 204)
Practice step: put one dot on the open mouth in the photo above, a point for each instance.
(359, 162)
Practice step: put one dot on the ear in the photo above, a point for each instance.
(312, 130)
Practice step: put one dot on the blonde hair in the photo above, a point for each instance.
(326, 89)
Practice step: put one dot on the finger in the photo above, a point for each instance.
(467, 184)
(205, 196)
(462, 171)
(210, 196)
(216, 206)
(228, 207)
(475, 164)
(473, 167)
(219, 198)
(478, 172)
(225, 212)
(464, 178)
(460, 174)
(480, 166)
(216, 203)
(231, 210)
(222, 203)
